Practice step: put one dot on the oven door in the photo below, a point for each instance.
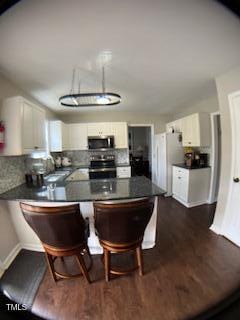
(101, 143)
(103, 173)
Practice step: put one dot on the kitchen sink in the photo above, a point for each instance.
(53, 177)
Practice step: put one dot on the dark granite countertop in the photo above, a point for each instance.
(89, 190)
(182, 165)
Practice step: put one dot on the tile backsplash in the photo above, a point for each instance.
(12, 169)
(82, 157)
(12, 172)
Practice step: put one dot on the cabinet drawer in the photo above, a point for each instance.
(179, 172)
(123, 172)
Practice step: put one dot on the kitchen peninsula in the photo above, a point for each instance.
(85, 192)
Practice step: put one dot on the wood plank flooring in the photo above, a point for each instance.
(189, 270)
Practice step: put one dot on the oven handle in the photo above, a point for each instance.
(103, 170)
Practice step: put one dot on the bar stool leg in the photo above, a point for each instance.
(83, 267)
(51, 266)
(139, 260)
(107, 264)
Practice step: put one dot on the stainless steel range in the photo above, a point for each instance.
(102, 167)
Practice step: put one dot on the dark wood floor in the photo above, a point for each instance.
(189, 270)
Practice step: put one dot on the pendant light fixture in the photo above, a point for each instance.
(94, 99)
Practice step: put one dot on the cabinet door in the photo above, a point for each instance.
(191, 131)
(39, 129)
(28, 128)
(78, 136)
(120, 133)
(175, 182)
(180, 183)
(55, 136)
(65, 136)
(106, 128)
(183, 185)
(178, 125)
(99, 129)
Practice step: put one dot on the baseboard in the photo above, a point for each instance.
(211, 201)
(189, 204)
(12, 255)
(195, 204)
(215, 229)
(167, 194)
(32, 247)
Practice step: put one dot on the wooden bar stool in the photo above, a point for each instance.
(120, 228)
(63, 232)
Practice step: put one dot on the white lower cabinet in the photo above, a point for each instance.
(191, 186)
(123, 172)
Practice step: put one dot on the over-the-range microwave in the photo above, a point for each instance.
(101, 143)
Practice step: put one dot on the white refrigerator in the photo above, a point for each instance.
(168, 150)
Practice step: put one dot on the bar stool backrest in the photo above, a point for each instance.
(122, 222)
(60, 227)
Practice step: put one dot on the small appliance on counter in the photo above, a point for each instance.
(66, 162)
(36, 167)
(196, 159)
(58, 162)
(203, 159)
(189, 159)
(34, 179)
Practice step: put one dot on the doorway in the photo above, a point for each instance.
(231, 223)
(140, 149)
(216, 156)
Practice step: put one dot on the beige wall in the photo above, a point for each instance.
(207, 105)
(8, 236)
(159, 121)
(226, 84)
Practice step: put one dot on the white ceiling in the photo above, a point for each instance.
(159, 54)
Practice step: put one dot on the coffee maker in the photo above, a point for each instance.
(189, 158)
(203, 159)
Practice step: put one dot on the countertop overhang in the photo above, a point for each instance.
(88, 190)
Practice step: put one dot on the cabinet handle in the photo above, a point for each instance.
(236, 180)
(179, 177)
(189, 142)
(35, 147)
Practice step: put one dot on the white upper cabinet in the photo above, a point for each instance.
(196, 130)
(99, 129)
(39, 133)
(174, 126)
(58, 136)
(78, 136)
(25, 126)
(120, 132)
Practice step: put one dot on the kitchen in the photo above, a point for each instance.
(56, 155)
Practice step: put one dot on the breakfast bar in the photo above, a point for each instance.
(65, 191)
